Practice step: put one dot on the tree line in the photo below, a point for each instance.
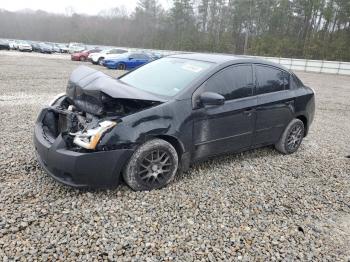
(313, 29)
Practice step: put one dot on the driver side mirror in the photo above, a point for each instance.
(211, 99)
(131, 58)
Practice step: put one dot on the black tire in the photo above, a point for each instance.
(291, 138)
(121, 67)
(153, 165)
(100, 60)
(82, 58)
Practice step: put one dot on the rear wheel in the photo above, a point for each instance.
(100, 61)
(121, 67)
(152, 166)
(292, 137)
(82, 58)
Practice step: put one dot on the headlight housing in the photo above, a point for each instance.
(89, 139)
(54, 100)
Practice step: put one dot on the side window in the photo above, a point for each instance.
(270, 79)
(233, 82)
(138, 56)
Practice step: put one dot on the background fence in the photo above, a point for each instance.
(316, 66)
(306, 65)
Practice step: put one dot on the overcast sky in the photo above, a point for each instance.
(90, 7)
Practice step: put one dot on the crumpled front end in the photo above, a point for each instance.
(70, 164)
(68, 133)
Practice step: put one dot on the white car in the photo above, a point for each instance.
(24, 46)
(63, 48)
(76, 47)
(13, 44)
(97, 58)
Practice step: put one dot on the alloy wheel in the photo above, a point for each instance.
(155, 167)
(121, 67)
(295, 137)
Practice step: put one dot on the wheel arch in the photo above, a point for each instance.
(303, 118)
(174, 142)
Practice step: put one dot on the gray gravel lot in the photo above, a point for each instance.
(258, 205)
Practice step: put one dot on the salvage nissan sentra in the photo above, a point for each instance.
(166, 115)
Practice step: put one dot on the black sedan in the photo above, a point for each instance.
(42, 48)
(166, 115)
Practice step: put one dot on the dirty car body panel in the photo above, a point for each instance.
(247, 119)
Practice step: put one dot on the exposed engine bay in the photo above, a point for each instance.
(93, 104)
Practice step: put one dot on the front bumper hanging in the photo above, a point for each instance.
(90, 169)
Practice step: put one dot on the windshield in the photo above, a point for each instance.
(166, 76)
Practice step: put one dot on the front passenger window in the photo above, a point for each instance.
(232, 82)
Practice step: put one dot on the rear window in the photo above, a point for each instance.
(271, 79)
(296, 82)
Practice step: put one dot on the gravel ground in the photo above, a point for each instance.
(258, 205)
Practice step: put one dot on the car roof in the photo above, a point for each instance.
(225, 58)
(213, 58)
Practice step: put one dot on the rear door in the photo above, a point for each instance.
(228, 127)
(275, 104)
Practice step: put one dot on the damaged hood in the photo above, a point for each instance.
(94, 92)
(87, 81)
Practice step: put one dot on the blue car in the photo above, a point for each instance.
(127, 61)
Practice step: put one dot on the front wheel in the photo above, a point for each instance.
(82, 58)
(152, 166)
(292, 137)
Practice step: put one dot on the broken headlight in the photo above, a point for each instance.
(89, 138)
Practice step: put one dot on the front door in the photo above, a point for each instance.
(228, 127)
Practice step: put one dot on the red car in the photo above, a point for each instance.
(83, 56)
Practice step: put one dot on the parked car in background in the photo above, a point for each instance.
(155, 56)
(83, 56)
(43, 48)
(4, 44)
(36, 47)
(117, 54)
(166, 115)
(127, 61)
(97, 58)
(63, 48)
(24, 46)
(54, 47)
(75, 48)
(13, 44)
